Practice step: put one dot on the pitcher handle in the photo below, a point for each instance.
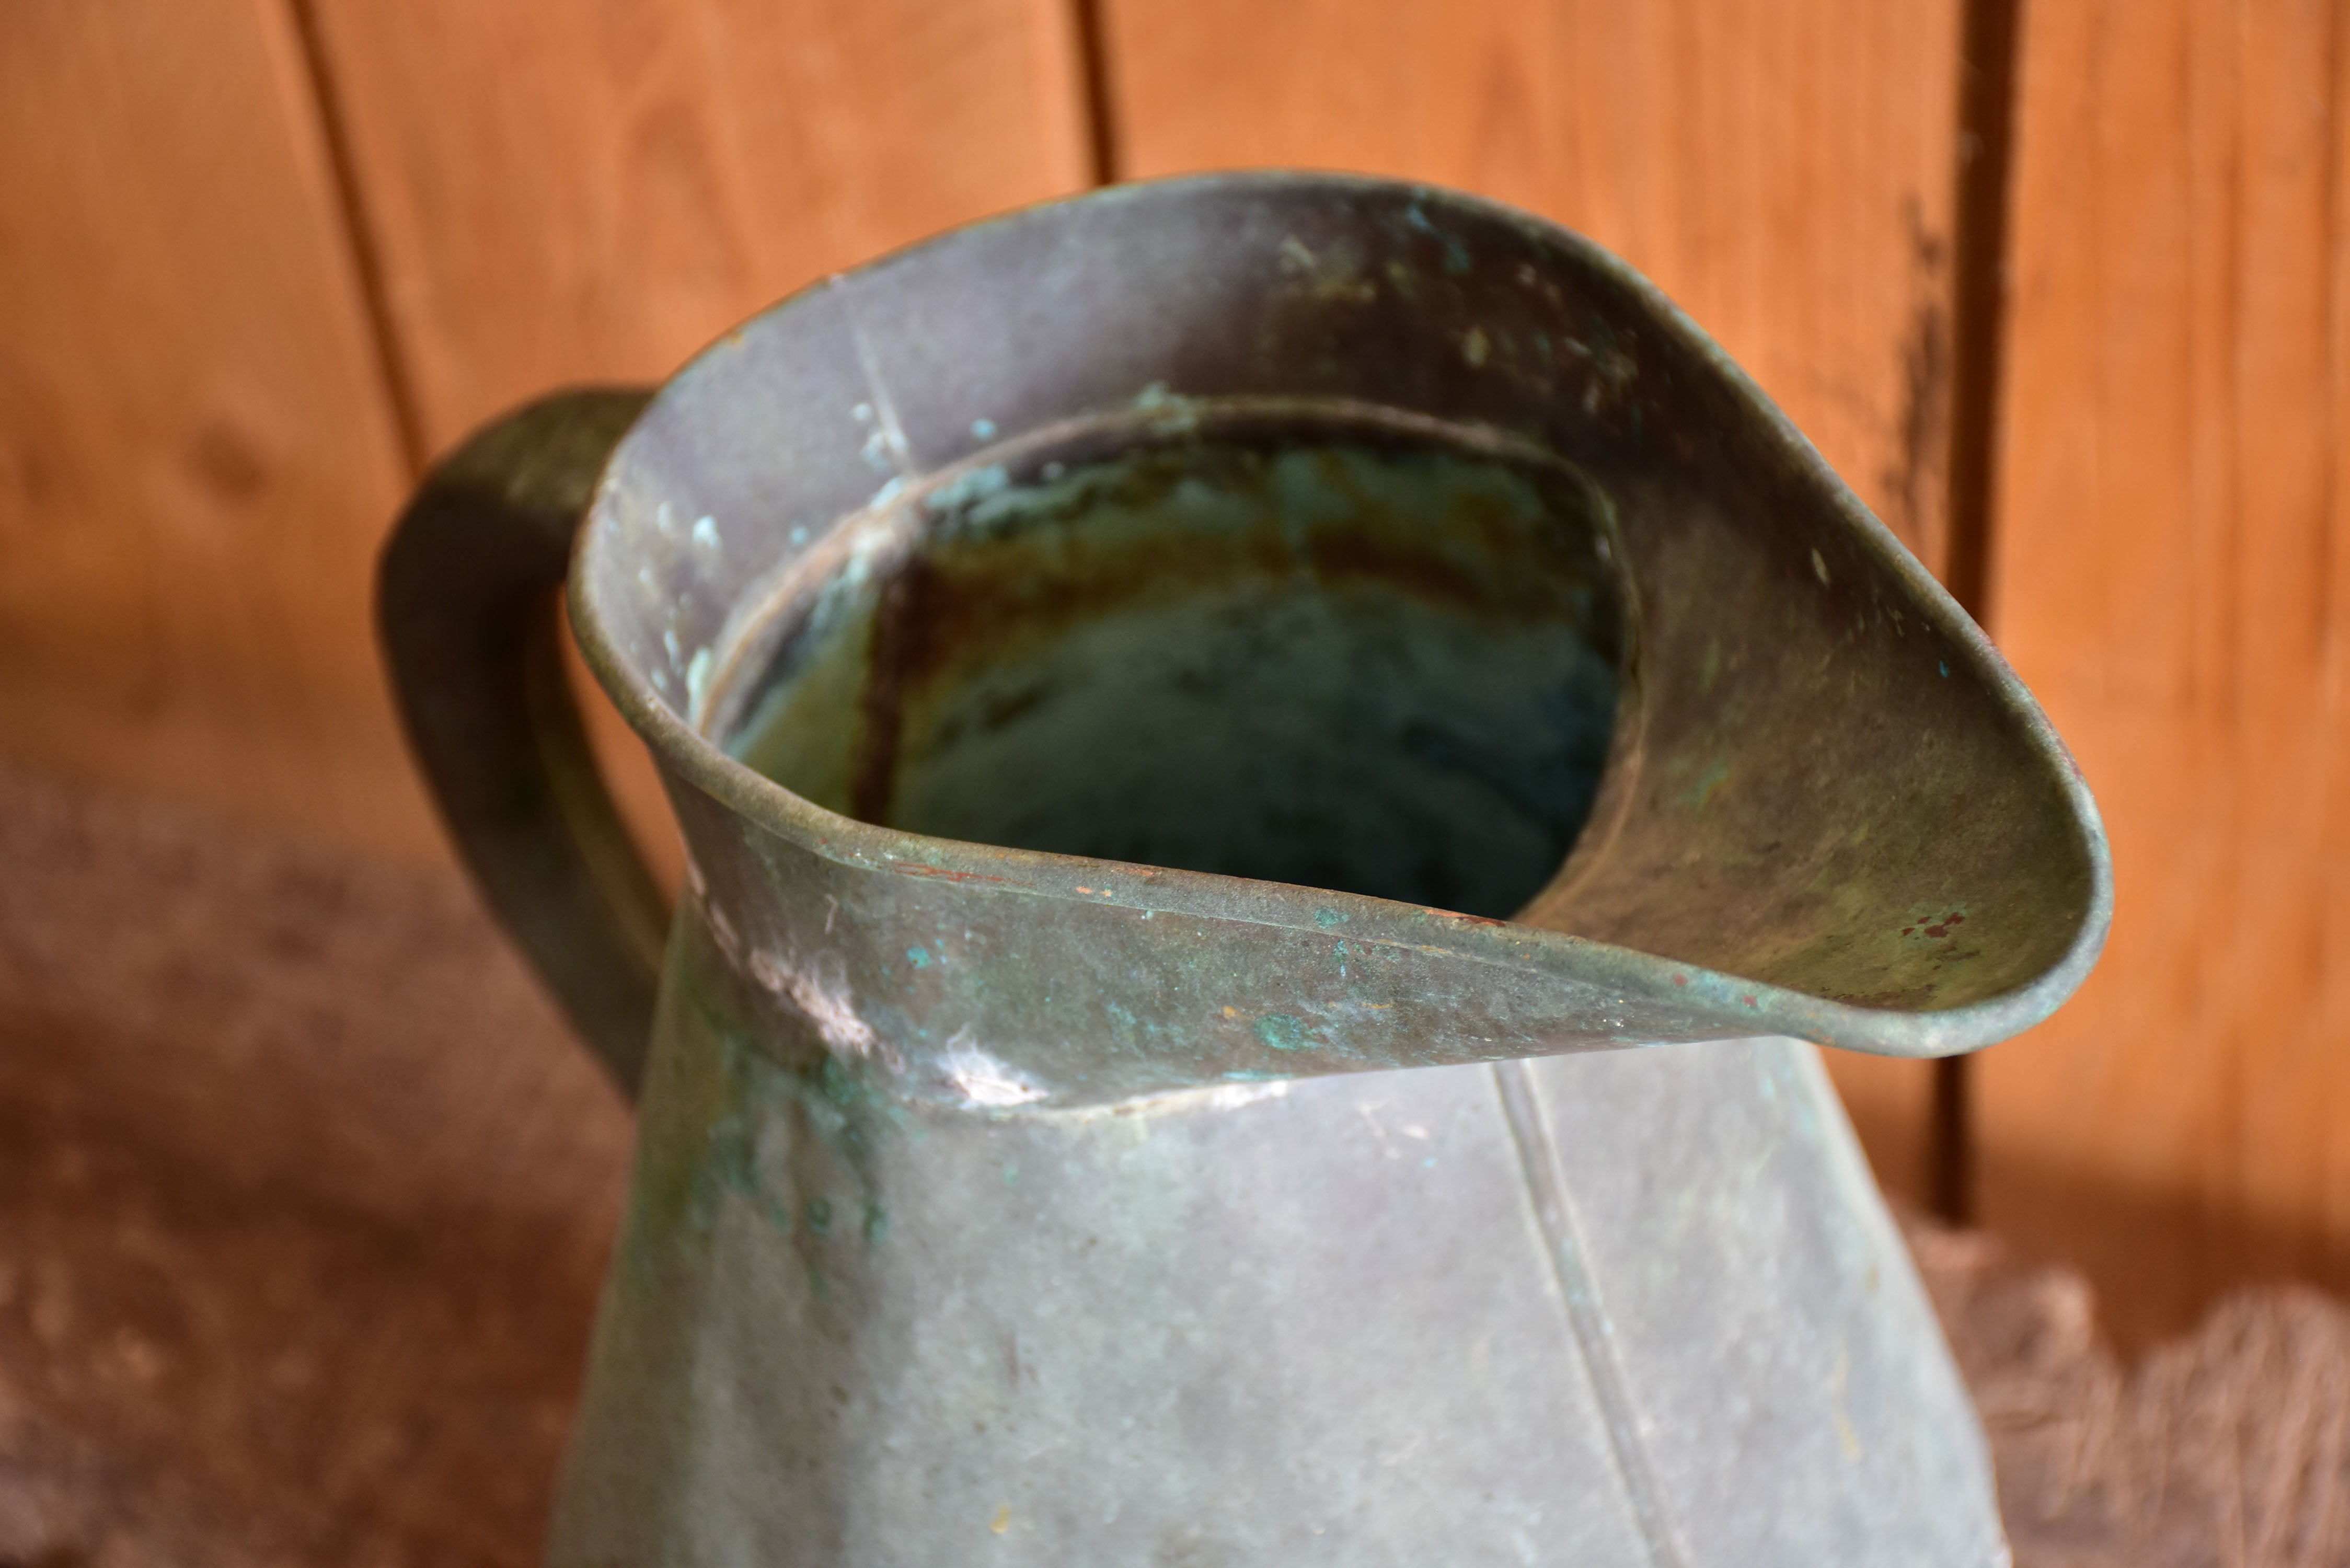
(467, 596)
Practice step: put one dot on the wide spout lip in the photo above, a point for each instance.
(1732, 1005)
(1757, 1007)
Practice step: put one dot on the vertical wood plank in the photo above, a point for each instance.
(559, 194)
(196, 455)
(2169, 575)
(555, 195)
(1785, 172)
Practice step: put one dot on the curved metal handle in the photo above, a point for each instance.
(467, 596)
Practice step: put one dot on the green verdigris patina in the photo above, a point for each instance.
(1205, 720)
(1268, 652)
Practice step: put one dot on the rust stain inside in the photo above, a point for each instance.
(1305, 652)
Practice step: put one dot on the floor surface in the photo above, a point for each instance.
(305, 1195)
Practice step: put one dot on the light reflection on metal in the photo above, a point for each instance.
(1278, 677)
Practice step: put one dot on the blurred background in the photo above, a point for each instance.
(2062, 287)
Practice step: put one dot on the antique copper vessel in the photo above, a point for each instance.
(1209, 720)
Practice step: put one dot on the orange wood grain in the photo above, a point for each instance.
(556, 194)
(201, 425)
(2172, 575)
(1784, 171)
(195, 458)
(560, 193)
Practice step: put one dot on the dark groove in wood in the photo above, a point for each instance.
(1987, 66)
(1950, 1143)
(1987, 71)
(1101, 107)
(391, 366)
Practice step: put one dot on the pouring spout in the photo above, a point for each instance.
(1143, 730)
(1824, 809)
(1003, 980)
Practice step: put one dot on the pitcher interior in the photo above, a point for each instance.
(1322, 647)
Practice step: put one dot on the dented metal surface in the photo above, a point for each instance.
(1245, 652)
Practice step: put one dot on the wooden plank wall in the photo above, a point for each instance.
(550, 197)
(260, 258)
(2172, 575)
(195, 451)
(559, 196)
